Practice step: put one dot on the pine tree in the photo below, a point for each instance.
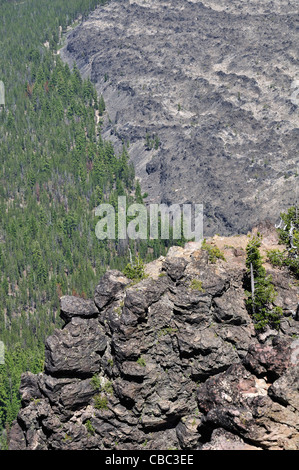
(260, 290)
(138, 195)
(288, 231)
(101, 106)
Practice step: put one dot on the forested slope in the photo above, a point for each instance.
(55, 169)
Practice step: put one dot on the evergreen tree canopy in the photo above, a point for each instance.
(260, 290)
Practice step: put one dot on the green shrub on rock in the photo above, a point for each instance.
(213, 251)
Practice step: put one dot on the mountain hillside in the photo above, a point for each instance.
(205, 94)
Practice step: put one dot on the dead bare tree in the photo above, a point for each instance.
(252, 287)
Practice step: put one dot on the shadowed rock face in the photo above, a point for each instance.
(213, 81)
(171, 362)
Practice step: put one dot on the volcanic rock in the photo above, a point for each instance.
(173, 361)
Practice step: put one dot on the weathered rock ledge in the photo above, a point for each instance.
(167, 364)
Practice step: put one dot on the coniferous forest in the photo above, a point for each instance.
(55, 169)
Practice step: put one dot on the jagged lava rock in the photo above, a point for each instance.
(173, 361)
(71, 306)
(212, 80)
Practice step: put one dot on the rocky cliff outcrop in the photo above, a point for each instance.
(216, 83)
(171, 362)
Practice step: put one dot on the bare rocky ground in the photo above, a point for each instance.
(213, 81)
(171, 362)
